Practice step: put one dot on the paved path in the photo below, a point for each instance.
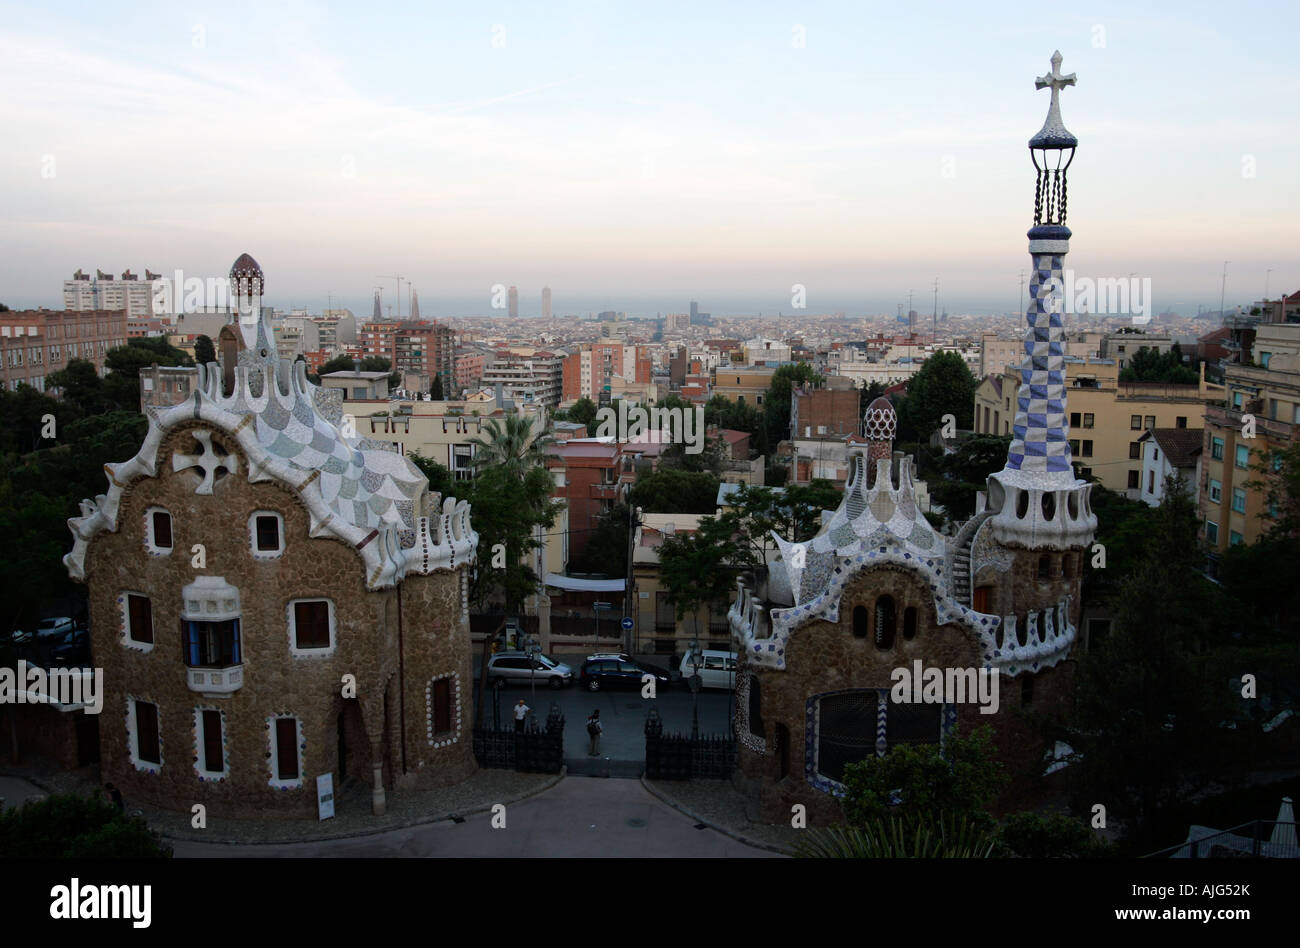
(15, 791)
(580, 816)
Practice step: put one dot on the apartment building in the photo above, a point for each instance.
(103, 292)
(745, 384)
(996, 353)
(590, 372)
(1233, 498)
(34, 343)
(590, 479)
(527, 375)
(1106, 419)
(828, 410)
(1168, 452)
(658, 629)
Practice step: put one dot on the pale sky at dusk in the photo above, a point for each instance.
(642, 153)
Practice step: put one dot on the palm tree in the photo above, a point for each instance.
(514, 446)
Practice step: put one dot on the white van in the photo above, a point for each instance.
(717, 671)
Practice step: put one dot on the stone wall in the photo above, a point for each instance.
(275, 681)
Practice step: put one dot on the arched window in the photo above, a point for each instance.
(860, 622)
(1022, 504)
(1044, 566)
(1065, 566)
(1049, 505)
(885, 618)
(909, 623)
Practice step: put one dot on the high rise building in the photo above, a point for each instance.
(514, 301)
(82, 294)
(546, 302)
(589, 372)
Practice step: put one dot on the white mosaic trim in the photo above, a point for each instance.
(455, 702)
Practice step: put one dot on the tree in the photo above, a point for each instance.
(675, 491)
(794, 512)
(440, 479)
(204, 351)
(435, 390)
(965, 472)
(1150, 365)
(697, 568)
(776, 402)
(81, 386)
(583, 412)
(606, 549)
(710, 458)
(513, 443)
(1150, 698)
(943, 837)
(868, 394)
(943, 386)
(340, 363)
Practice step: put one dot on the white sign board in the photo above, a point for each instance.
(325, 795)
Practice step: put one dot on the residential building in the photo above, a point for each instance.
(527, 375)
(590, 371)
(589, 478)
(824, 411)
(129, 293)
(1168, 452)
(1265, 394)
(36, 342)
(1106, 418)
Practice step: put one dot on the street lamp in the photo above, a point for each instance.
(532, 650)
(695, 658)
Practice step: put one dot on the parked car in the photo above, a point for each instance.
(19, 637)
(505, 668)
(53, 628)
(609, 673)
(717, 671)
(74, 649)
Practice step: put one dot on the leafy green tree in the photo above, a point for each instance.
(340, 363)
(722, 412)
(1150, 698)
(514, 443)
(776, 402)
(943, 385)
(82, 386)
(962, 474)
(1149, 365)
(506, 510)
(204, 351)
(676, 491)
(435, 390)
(440, 479)
(1054, 836)
(710, 459)
(917, 782)
(868, 394)
(23, 417)
(583, 412)
(698, 569)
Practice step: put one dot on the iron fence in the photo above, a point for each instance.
(683, 757)
(539, 748)
(1253, 840)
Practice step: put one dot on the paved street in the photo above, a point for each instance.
(580, 816)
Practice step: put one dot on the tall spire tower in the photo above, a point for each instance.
(1039, 501)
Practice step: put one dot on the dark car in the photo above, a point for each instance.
(611, 673)
(73, 649)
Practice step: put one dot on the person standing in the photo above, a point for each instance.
(594, 728)
(521, 712)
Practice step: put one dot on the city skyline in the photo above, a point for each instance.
(734, 156)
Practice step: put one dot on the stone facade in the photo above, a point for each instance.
(354, 528)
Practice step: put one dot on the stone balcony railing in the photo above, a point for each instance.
(215, 681)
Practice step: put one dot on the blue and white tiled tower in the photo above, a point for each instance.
(1039, 501)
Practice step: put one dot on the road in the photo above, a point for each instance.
(578, 817)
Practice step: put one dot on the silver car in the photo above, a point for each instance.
(517, 668)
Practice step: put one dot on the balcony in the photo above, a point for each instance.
(604, 491)
(215, 681)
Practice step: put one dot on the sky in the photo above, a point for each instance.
(636, 156)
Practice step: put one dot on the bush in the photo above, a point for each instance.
(918, 782)
(939, 837)
(67, 826)
(1032, 836)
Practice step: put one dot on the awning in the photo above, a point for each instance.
(585, 585)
